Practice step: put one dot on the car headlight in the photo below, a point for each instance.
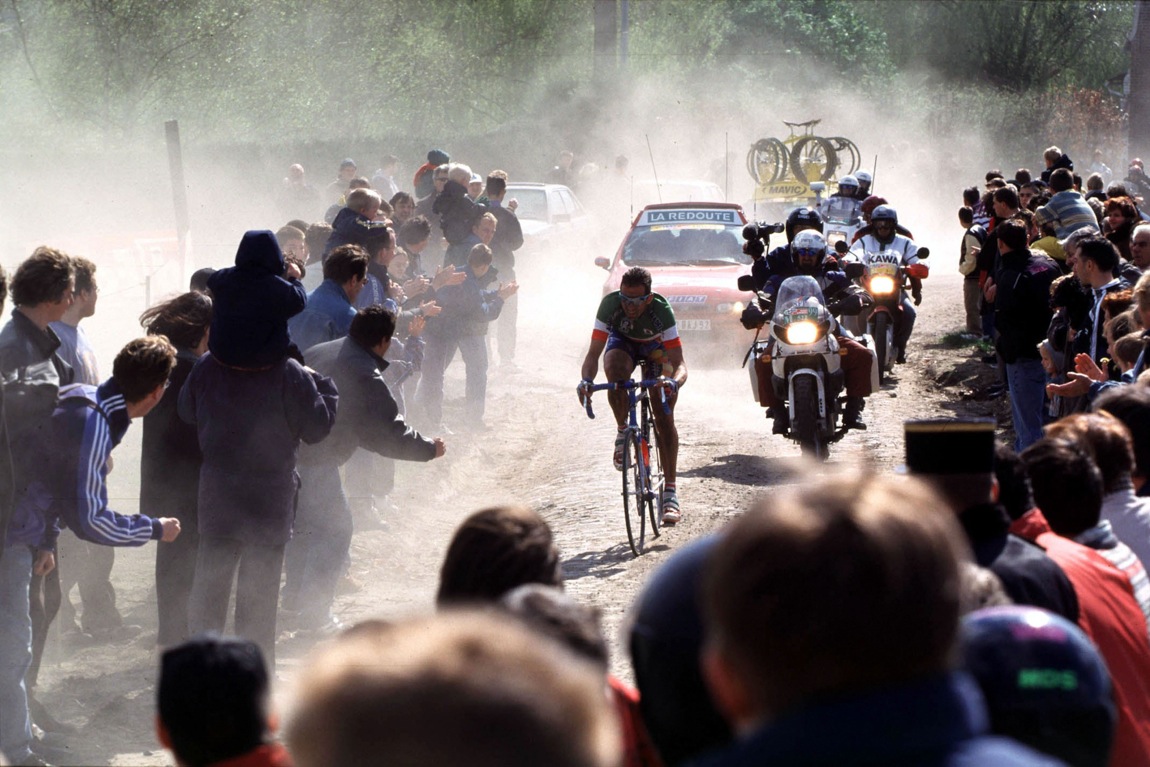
(882, 285)
(799, 333)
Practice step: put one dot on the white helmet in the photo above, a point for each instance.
(864, 177)
(850, 181)
(808, 250)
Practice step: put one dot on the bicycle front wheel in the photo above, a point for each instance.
(634, 494)
(654, 476)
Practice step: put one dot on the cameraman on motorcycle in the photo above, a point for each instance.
(806, 253)
(844, 205)
(885, 236)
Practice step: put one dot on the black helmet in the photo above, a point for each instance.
(666, 638)
(1044, 682)
(803, 218)
(884, 213)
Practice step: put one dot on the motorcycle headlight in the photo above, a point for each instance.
(882, 285)
(800, 333)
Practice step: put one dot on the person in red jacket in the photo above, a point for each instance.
(1108, 611)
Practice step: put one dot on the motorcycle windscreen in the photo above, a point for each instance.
(800, 299)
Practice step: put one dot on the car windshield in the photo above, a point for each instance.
(532, 203)
(685, 245)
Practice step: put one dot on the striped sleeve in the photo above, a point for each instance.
(95, 521)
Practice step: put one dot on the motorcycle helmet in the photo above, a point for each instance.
(1044, 681)
(848, 186)
(808, 251)
(801, 219)
(865, 179)
(870, 203)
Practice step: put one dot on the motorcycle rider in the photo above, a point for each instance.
(806, 254)
(864, 179)
(885, 236)
(845, 204)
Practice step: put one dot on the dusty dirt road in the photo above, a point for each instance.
(541, 450)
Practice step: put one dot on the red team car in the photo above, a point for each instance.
(694, 251)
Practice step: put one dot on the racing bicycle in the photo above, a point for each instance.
(642, 472)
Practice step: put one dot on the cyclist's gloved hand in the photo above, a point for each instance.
(583, 389)
(670, 385)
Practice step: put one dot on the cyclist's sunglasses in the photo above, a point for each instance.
(636, 301)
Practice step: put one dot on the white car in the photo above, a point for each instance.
(547, 212)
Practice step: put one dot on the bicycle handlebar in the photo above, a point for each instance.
(646, 383)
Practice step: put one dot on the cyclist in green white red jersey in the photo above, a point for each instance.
(632, 325)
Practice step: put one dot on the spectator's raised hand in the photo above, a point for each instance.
(430, 309)
(417, 324)
(508, 290)
(1085, 364)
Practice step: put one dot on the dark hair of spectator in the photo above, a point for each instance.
(555, 614)
(1013, 485)
(1124, 205)
(480, 255)
(142, 365)
(993, 174)
(495, 550)
(344, 263)
(43, 278)
(1131, 406)
(414, 230)
(399, 197)
(212, 698)
(183, 319)
(85, 274)
(1066, 483)
(1061, 180)
(1105, 438)
(496, 183)
(298, 223)
(315, 238)
(1007, 196)
(965, 216)
(1012, 233)
(1022, 176)
(372, 325)
(971, 196)
(1101, 251)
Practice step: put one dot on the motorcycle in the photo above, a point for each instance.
(801, 357)
(883, 276)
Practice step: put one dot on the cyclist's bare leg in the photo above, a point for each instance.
(668, 435)
(618, 366)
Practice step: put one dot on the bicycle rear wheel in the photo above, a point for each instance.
(634, 493)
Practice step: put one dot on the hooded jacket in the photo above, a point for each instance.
(457, 212)
(351, 228)
(251, 304)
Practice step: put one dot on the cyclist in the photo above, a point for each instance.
(885, 236)
(634, 325)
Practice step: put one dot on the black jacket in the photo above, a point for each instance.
(1028, 575)
(508, 239)
(1022, 304)
(368, 417)
(457, 212)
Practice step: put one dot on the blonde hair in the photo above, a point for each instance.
(459, 688)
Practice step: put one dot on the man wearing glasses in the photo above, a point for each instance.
(636, 325)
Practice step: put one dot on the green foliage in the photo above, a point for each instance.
(289, 70)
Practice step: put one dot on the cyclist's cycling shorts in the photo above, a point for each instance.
(651, 352)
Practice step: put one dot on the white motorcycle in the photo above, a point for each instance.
(801, 357)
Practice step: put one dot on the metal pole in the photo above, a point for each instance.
(655, 173)
(179, 194)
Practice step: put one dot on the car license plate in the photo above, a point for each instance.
(694, 324)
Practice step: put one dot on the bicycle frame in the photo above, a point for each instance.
(640, 427)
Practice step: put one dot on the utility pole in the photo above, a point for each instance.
(606, 38)
(1138, 102)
